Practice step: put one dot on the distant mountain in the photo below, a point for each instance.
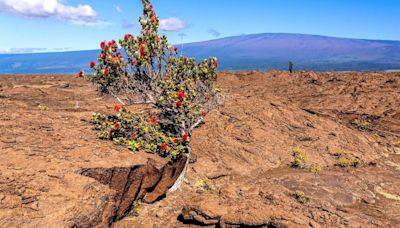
(259, 51)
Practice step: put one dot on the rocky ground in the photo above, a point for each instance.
(240, 174)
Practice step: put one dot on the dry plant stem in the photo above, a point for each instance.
(118, 99)
(181, 178)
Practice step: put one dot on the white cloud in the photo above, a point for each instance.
(81, 14)
(118, 9)
(20, 50)
(173, 24)
(30, 50)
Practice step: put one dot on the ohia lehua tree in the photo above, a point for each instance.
(179, 90)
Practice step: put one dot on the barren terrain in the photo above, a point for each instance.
(55, 173)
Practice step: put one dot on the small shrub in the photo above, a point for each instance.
(42, 108)
(136, 208)
(301, 197)
(346, 161)
(315, 168)
(205, 184)
(363, 125)
(299, 158)
(179, 90)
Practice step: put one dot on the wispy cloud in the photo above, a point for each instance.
(80, 15)
(20, 50)
(118, 9)
(129, 24)
(173, 24)
(214, 32)
(29, 50)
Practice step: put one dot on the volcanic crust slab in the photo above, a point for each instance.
(54, 172)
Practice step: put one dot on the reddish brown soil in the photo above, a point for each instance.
(240, 172)
(53, 170)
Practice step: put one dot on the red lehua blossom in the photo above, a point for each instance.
(135, 62)
(164, 146)
(111, 43)
(185, 137)
(184, 60)
(133, 136)
(176, 49)
(103, 44)
(105, 72)
(118, 108)
(92, 64)
(176, 140)
(181, 94)
(141, 48)
(153, 120)
(80, 74)
(204, 114)
(116, 125)
(128, 36)
(179, 104)
(152, 19)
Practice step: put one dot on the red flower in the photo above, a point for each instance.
(141, 49)
(179, 104)
(176, 49)
(111, 43)
(176, 140)
(118, 108)
(133, 136)
(135, 62)
(204, 114)
(153, 120)
(184, 60)
(215, 63)
(103, 44)
(185, 137)
(105, 72)
(116, 125)
(181, 94)
(152, 19)
(92, 64)
(128, 36)
(80, 74)
(164, 146)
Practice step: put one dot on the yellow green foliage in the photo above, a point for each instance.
(136, 208)
(315, 168)
(42, 107)
(205, 184)
(299, 158)
(347, 162)
(362, 124)
(345, 159)
(301, 197)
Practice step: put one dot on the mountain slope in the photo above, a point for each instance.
(258, 51)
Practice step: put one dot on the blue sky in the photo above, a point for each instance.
(55, 25)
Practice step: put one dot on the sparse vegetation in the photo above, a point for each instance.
(347, 162)
(345, 159)
(301, 197)
(363, 125)
(136, 208)
(42, 108)
(299, 158)
(205, 184)
(315, 168)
